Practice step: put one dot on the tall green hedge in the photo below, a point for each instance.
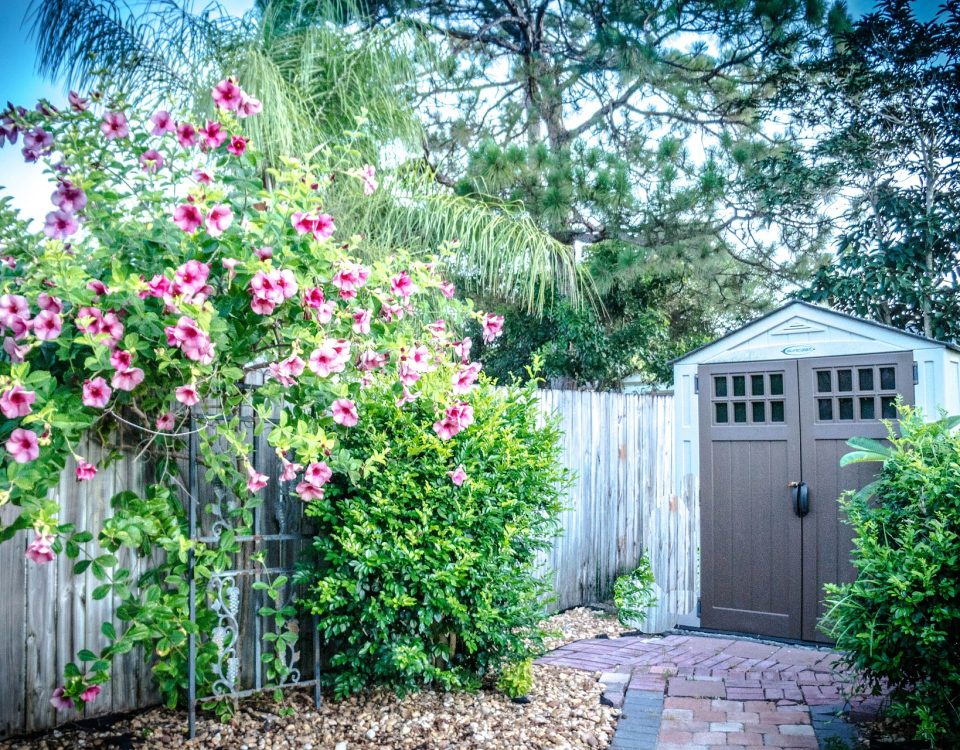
(899, 623)
(417, 580)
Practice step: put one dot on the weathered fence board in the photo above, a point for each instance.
(619, 445)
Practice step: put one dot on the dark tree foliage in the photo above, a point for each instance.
(888, 100)
(632, 131)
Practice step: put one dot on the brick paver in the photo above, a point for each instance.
(687, 691)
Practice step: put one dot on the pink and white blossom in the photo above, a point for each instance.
(23, 445)
(492, 326)
(290, 469)
(464, 378)
(249, 105)
(17, 402)
(320, 225)
(203, 177)
(127, 380)
(187, 135)
(85, 470)
(13, 306)
(50, 303)
(361, 322)
(327, 359)
(458, 476)
(190, 278)
(188, 217)
(114, 125)
(77, 102)
(237, 145)
(151, 160)
(344, 412)
(219, 220)
(318, 473)
(68, 197)
(349, 277)
(165, 421)
(163, 123)
(212, 135)
(308, 492)
(59, 700)
(96, 393)
(90, 694)
(47, 325)
(40, 550)
(402, 285)
(448, 289)
(255, 480)
(59, 225)
(121, 360)
(227, 95)
(187, 395)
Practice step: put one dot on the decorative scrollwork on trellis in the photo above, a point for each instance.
(223, 508)
(225, 603)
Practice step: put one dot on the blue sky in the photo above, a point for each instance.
(21, 85)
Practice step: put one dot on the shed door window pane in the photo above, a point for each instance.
(825, 409)
(823, 381)
(721, 413)
(740, 411)
(756, 385)
(776, 384)
(888, 378)
(844, 381)
(759, 411)
(866, 379)
(739, 385)
(887, 408)
(868, 409)
(720, 387)
(776, 411)
(845, 408)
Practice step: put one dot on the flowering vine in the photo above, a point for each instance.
(165, 277)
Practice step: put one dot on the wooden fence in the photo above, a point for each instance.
(622, 503)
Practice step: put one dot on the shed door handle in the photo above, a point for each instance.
(801, 498)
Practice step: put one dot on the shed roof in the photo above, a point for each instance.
(906, 339)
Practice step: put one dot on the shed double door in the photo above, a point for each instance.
(771, 438)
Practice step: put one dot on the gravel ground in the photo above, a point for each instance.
(564, 713)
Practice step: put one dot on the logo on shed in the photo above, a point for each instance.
(798, 349)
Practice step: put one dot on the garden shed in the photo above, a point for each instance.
(762, 418)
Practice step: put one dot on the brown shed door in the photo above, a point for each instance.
(765, 425)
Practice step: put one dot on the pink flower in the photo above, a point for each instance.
(492, 327)
(458, 476)
(238, 144)
(349, 278)
(187, 217)
(368, 175)
(290, 469)
(190, 278)
(370, 360)
(40, 550)
(151, 160)
(313, 297)
(447, 289)
(13, 306)
(248, 106)
(16, 402)
(321, 226)
(445, 428)
(59, 701)
(406, 397)
(187, 135)
(255, 480)
(16, 353)
(227, 95)
(213, 134)
(361, 321)
(437, 329)
(202, 177)
(23, 445)
(162, 123)
(68, 197)
(114, 125)
(455, 419)
(264, 253)
(402, 285)
(318, 473)
(231, 265)
(47, 325)
(464, 378)
(96, 393)
(344, 412)
(121, 360)
(59, 225)
(77, 102)
(90, 694)
(408, 376)
(287, 371)
(325, 360)
(187, 395)
(127, 380)
(309, 491)
(98, 287)
(85, 471)
(165, 421)
(50, 303)
(219, 220)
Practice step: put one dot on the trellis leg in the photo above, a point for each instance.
(316, 662)
(191, 638)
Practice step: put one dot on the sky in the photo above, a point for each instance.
(21, 85)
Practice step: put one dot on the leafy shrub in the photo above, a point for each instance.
(516, 679)
(899, 623)
(419, 579)
(634, 594)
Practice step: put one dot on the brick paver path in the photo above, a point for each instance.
(717, 692)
